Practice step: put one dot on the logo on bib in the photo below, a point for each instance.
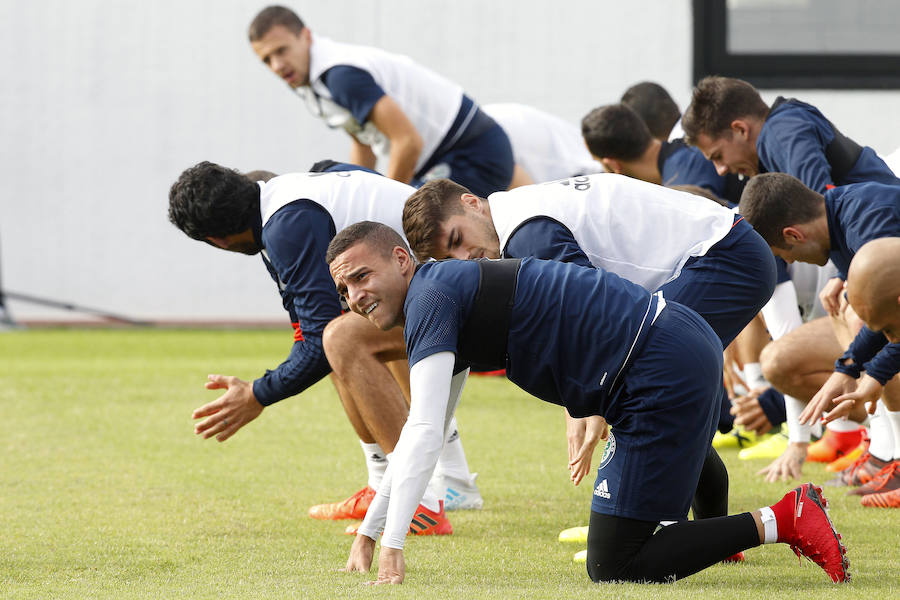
(602, 490)
(608, 451)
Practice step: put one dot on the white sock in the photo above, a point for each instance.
(894, 418)
(796, 431)
(881, 435)
(770, 525)
(753, 375)
(376, 463)
(433, 493)
(840, 425)
(452, 461)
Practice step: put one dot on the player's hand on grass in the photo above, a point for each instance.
(868, 390)
(230, 411)
(391, 567)
(595, 430)
(749, 414)
(838, 384)
(361, 552)
(787, 466)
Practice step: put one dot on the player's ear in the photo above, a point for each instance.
(611, 165)
(470, 201)
(793, 235)
(402, 257)
(741, 128)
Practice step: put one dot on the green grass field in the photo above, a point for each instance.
(106, 492)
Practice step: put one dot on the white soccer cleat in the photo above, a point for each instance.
(461, 494)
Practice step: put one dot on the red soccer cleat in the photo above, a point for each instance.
(734, 558)
(833, 445)
(804, 525)
(424, 522)
(354, 507)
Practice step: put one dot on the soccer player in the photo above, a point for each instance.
(544, 146)
(656, 108)
(392, 108)
(873, 291)
(586, 339)
(698, 252)
(729, 122)
(289, 220)
(617, 137)
(801, 224)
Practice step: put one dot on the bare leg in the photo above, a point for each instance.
(798, 363)
(357, 352)
(352, 414)
(400, 370)
(750, 342)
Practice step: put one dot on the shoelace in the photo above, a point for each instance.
(883, 476)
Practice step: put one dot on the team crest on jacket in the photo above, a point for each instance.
(608, 451)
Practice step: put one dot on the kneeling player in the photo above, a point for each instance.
(634, 353)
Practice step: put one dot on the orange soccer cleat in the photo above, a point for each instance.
(833, 445)
(424, 522)
(862, 471)
(887, 480)
(839, 464)
(882, 500)
(354, 507)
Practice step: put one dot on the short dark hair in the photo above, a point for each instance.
(654, 105)
(772, 201)
(716, 102)
(271, 16)
(209, 200)
(426, 210)
(615, 131)
(378, 236)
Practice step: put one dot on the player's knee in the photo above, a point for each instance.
(337, 340)
(776, 364)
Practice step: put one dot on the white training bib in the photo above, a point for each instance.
(640, 231)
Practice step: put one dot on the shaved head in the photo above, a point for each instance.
(873, 285)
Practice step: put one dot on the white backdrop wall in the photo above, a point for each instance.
(104, 102)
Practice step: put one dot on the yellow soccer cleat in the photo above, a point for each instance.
(574, 535)
(771, 448)
(580, 556)
(736, 438)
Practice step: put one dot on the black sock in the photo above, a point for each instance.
(711, 497)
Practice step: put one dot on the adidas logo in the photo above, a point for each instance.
(602, 490)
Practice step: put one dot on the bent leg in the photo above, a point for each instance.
(798, 363)
(621, 549)
(357, 352)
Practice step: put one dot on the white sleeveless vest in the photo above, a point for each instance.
(348, 196)
(638, 230)
(429, 101)
(547, 147)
